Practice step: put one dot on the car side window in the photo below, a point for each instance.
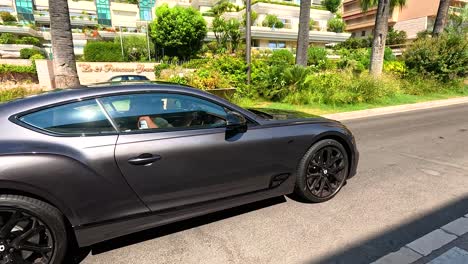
(80, 119)
(160, 111)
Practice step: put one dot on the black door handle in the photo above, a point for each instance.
(144, 159)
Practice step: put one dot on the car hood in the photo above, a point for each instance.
(283, 115)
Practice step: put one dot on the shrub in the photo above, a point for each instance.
(30, 41)
(17, 73)
(178, 80)
(281, 57)
(159, 68)
(332, 5)
(7, 17)
(207, 79)
(8, 68)
(179, 31)
(336, 25)
(8, 38)
(102, 51)
(28, 53)
(444, 58)
(343, 88)
(397, 68)
(272, 21)
(317, 56)
(354, 43)
(11, 94)
(395, 37)
(195, 63)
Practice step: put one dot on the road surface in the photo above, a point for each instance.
(412, 178)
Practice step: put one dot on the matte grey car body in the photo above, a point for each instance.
(197, 171)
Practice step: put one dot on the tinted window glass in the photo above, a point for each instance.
(82, 118)
(163, 111)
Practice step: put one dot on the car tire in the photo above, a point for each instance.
(31, 231)
(322, 172)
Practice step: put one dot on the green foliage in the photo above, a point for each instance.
(358, 60)
(7, 17)
(253, 18)
(272, 21)
(30, 41)
(444, 58)
(223, 6)
(367, 4)
(37, 57)
(458, 22)
(332, 5)
(281, 56)
(206, 79)
(395, 37)
(336, 25)
(135, 48)
(159, 68)
(102, 51)
(195, 63)
(354, 43)
(179, 31)
(8, 68)
(28, 53)
(337, 88)
(8, 38)
(397, 68)
(178, 80)
(15, 93)
(227, 32)
(317, 56)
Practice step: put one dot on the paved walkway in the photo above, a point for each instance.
(446, 245)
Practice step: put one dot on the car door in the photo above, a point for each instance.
(181, 155)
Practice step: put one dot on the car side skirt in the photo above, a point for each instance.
(94, 233)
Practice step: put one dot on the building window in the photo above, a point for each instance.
(103, 12)
(276, 45)
(146, 7)
(363, 33)
(25, 10)
(353, 34)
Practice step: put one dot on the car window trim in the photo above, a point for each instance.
(15, 117)
(162, 130)
(16, 120)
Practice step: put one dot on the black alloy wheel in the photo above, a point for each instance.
(30, 237)
(322, 172)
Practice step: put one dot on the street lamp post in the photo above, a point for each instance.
(121, 43)
(147, 41)
(248, 40)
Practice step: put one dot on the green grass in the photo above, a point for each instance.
(321, 109)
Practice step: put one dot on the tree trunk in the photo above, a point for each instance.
(303, 34)
(441, 19)
(66, 75)
(380, 36)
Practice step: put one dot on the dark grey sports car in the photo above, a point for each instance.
(81, 166)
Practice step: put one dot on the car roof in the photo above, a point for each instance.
(101, 89)
(128, 75)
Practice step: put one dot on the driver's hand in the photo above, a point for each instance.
(148, 120)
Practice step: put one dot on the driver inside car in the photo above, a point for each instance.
(149, 105)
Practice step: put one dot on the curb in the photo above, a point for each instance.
(396, 109)
(426, 244)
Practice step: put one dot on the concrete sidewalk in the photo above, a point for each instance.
(446, 245)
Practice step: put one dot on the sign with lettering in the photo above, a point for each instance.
(122, 68)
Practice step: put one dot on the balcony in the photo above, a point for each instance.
(20, 30)
(291, 35)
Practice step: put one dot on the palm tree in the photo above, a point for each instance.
(380, 30)
(66, 75)
(441, 19)
(303, 34)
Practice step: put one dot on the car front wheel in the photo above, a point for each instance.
(31, 231)
(322, 171)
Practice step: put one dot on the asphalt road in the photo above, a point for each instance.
(413, 178)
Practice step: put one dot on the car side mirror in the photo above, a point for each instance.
(236, 122)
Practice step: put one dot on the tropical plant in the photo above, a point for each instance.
(317, 56)
(253, 18)
(272, 21)
(332, 5)
(28, 53)
(303, 34)
(65, 71)
(179, 31)
(380, 30)
(8, 38)
(336, 25)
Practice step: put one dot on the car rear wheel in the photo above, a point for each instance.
(31, 231)
(322, 171)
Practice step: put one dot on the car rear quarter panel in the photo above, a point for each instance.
(76, 174)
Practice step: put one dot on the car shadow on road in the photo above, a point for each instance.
(181, 226)
(392, 240)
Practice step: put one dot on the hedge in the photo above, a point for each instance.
(102, 51)
(27, 53)
(17, 73)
